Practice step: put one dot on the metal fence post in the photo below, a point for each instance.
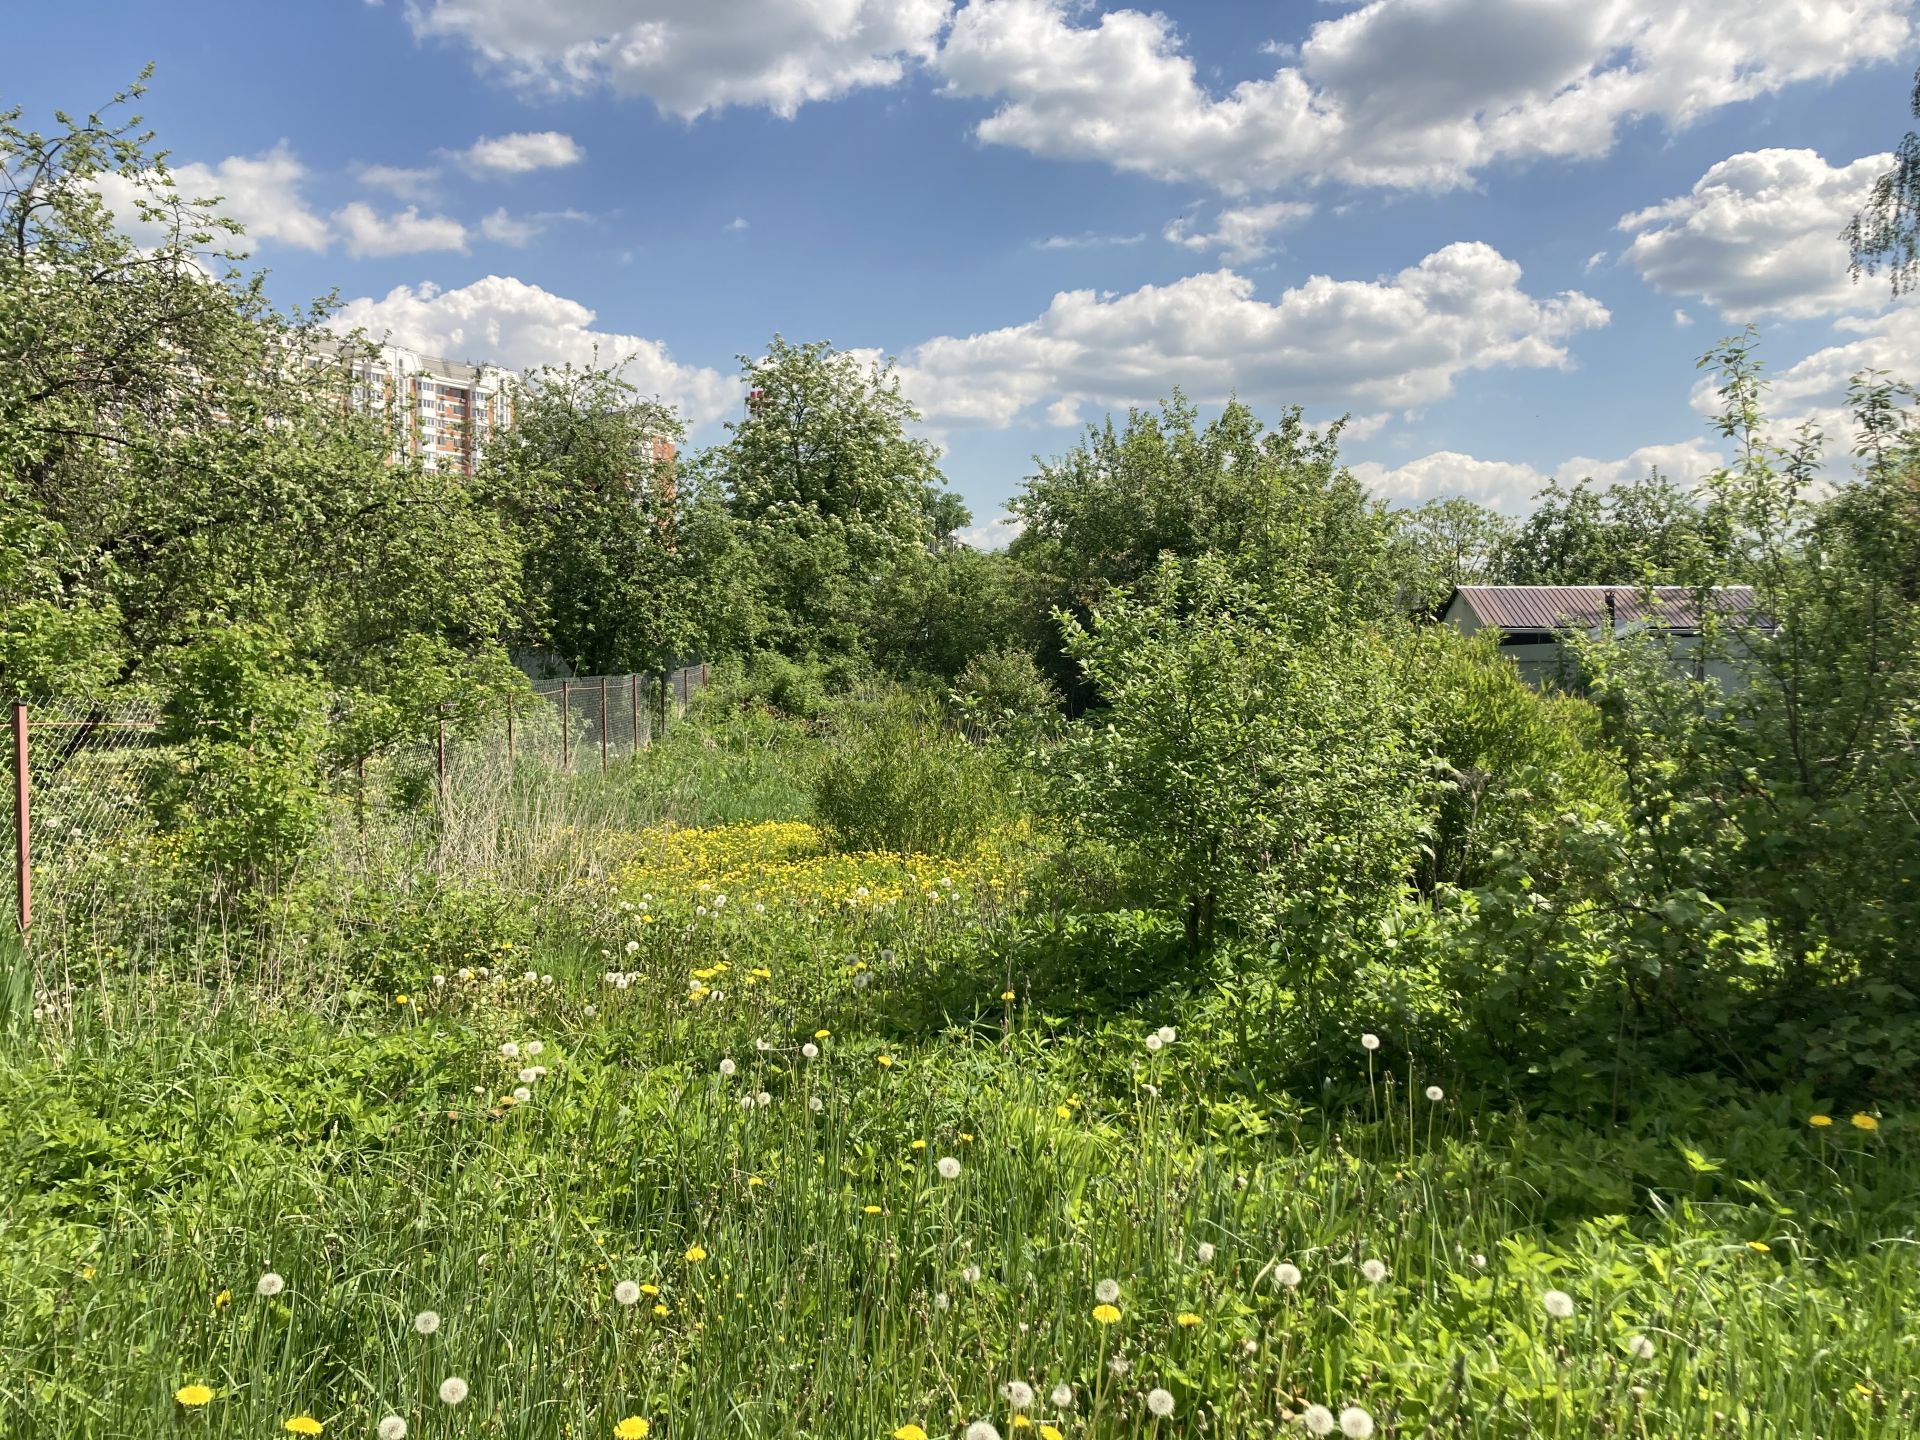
(22, 819)
(440, 755)
(603, 724)
(566, 725)
(633, 693)
(509, 734)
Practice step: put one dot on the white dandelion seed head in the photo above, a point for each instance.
(1436, 1094)
(746, 1102)
(621, 982)
(391, 1428)
(464, 973)
(633, 947)
(452, 1390)
(529, 1074)
(1287, 1274)
(626, 1293)
(816, 1104)
(1119, 1365)
(510, 1051)
(763, 1046)
(1107, 1291)
(1160, 1402)
(590, 1011)
(727, 1067)
(1154, 1042)
(1018, 1393)
(758, 908)
(982, 1430)
(1369, 1041)
(532, 977)
(863, 979)
(426, 1322)
(1558, 1304)
(1479, 1262)
(483, 972)
(971, 1274)
(886, 957)
(941, 1301)
(1355, 1423)
(1318, 1420)
(1062, 1396)
(269, 1285)
(1152, 1090)
(1375, 1271)
(522, 1094)
(810, 1050)
(536, 1048)
(1167, 1034)
(948, 1167)
(763, 1099)
(546, 979)
(699, 912)
(1639, 1347)
(719, 901)
(1204, 1252)
(438, 981)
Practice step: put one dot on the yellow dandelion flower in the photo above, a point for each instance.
(966, 1137)
(303, 1425)
(1063, 1112)
(754, 1181)
(662, 1311)
(1865, 1122)
(1761, 1246)
(1820, 1122)
(400, 1000)
(649, 1289)
(918, 1145)
(1020, 1422)
(909, 1432)
(1006, 994)
(632, 1428)
(1187, 1320)
(821, 1034)
(223, 1299)
(1107, 1314)
(871, 1209)
(1051, 1432)
(695, 1254)
(886, 1063)
(193, 1396)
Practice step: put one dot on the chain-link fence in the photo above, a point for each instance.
(80, 775)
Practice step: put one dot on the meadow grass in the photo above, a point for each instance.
(733, 1112)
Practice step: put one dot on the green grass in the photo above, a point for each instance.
(168, 1140)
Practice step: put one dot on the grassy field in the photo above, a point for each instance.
(709, 1131)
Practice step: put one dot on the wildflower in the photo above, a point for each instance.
(1160, 1403)
(871, 1209)
(1558, 1304)
(1317, 1419)
(521, 1094)
(982, 1430)
(223, 1299)
(1167, 1034)
(1107, 1291)
(536, 1047)
(1375, 1271)
(886, 957)
(886, 1062)
(909, 1432)
(1118, 1366)
(695, 1254)
(1186, 1320)
(727, 1068)
(1369, 1041)
(463, 973)
(816, 1104)
(1062, 1396)
(1761, 1246)
(1820, 1122)
(1436, 1094)
(269, 1285)
(1865, 1122)
(661, 1310)
(452, 1390)
(426, 1322)
(810, 1050)
(1006, 994)
(1479, 1262)
(634, 1427)
(303, 1425)
(821, 1034)
(763, 1099)
(402, 1000)
(1287, 1275)
(1018, 1393)
(1203, 1252)
(530, 978)
(1154, 1042)
(510, 1051)
(193, 1396)
(1639, 1347)
(1106, 1314)
(1355, 1423)
(763, 1046)
(948, 1167)
(649, 1289)
(942, 1300)
(528, 1074)
(918, 1145)
(633, 947)
(971, 1274)
(391, 1428)
(626, 1293)
(746, 1102)
(1063, 1112)
(862, 980)
(1051, 1432)
(590, 1011)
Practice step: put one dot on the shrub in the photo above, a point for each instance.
(894, 778)
(1003, 694)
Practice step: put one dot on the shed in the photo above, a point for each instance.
(1532, 618)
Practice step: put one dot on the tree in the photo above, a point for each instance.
(1886, 231)
(176, 459)
(1645, 531)
(1446, 543)
(616, 562)
(830, 491)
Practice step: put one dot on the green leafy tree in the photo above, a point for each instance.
(1886, 231)
(831, 492)
(1648, 531)
(1445, 543)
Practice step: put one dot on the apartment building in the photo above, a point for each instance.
(445, 411)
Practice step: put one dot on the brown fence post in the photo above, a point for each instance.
(440, 754)
(566, 725)
(22, 819)
(603, 724)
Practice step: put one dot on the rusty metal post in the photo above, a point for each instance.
(566, 724)
(22, 819)
(509, 734)
(603, 724)
(440, 755)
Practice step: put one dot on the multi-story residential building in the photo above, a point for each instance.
(444, 411)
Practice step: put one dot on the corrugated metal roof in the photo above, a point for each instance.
(1584, 607)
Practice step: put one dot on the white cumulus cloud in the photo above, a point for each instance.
(1240, 234)
(1758, 234)
(519, 153)
(1390, 343)
(508, 322)
(692, 56)
(1510, 485)
(404, 232)
(262, 192)
(1409, 93)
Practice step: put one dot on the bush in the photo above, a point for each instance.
(1003, 694)
(894, 778)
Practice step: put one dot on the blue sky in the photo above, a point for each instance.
(1409, 210)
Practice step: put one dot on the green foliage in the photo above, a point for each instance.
(1002, 694)
(894, 778)
(1445, 543)
(935, 612)
(1886, 231)
(243, 788)
(1648, 531)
